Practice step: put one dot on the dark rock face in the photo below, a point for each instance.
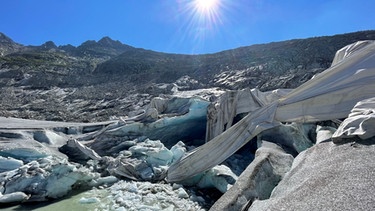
(106, 47)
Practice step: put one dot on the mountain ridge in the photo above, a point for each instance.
(106, 71)
(110, 41)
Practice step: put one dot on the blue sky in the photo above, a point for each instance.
(178, 26)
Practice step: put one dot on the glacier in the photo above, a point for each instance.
(181, 144)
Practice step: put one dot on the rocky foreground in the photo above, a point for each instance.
(310, 148)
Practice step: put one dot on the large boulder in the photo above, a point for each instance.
(327, 177)
(258, 180)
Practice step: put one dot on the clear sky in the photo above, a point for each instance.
(181, 26)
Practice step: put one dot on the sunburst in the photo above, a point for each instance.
(202, 20)
(206, 6)
(207, 12)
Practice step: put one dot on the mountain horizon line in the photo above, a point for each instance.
(107, 41)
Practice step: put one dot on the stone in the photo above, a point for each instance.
(259, 178)
(327, 177)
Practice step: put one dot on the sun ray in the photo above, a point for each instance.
(206, 6)
(201, 20)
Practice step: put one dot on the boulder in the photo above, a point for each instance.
(327, 177)
(258, 180)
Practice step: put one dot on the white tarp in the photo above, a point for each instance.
(329, 95)
(220, 115)
(360, 122)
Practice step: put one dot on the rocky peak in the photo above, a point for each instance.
(107, 41)
(67, 48)
(88, 43)
(115, 44)
(7, 45)
(5, 39)
(104, 47)
(49, 45)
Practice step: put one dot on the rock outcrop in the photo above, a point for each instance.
(8, 46)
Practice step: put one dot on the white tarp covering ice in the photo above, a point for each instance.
(329, 95)
(360, 122)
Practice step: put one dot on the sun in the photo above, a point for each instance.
(201, 20)
(206, 5)
(207, 11)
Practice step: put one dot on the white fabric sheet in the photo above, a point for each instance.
(360, 122)
(329, 95)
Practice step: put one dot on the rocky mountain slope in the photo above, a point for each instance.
(105, 78)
